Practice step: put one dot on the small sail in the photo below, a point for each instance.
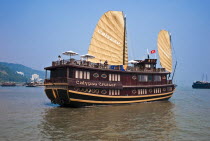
(108, 40)
(165, 50)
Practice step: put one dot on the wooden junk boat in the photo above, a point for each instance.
(105, 78)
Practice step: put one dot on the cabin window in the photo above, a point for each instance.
(143, 78)
(169, 88)
(85, 75)
(149, 77)
(114, 77)
(76, 74)
(147, 65)
(157, 78)
(58, 73)
(88, 75)
(82, 74)
(118, 77)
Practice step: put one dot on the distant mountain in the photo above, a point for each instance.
(12, 72)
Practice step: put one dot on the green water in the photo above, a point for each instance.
(27, 114)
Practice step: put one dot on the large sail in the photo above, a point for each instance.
(108, 40)
(165, 50)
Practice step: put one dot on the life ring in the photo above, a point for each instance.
(150, 90)
(134, 91)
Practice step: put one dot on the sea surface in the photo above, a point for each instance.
(27, 114)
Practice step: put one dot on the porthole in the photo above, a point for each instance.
(103, 91)
(93, 91)
(150, 90)
(134, 91)
(164, 89)
(96, 75)
(97, 91)
(82, 89)
(86, 90)
(134, 77)
(104, 76)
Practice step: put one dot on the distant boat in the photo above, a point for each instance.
(201, 84)
(8, 84)
(30, 84)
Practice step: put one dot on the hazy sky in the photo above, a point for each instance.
(34, 33)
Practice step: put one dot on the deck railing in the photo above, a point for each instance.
(169, 81)
(104, 66)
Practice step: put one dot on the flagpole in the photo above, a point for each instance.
(147, 53)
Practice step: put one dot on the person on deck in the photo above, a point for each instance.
(106, 63)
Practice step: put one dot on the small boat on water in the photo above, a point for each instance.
(201, 84)
(31, 84)
(105, 77)
(8, 84)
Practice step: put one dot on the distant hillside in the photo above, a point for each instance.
(8, 72)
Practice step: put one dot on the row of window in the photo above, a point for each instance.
(117, 92)
(82, 74)
(148, 78)
(157, 90)
(114, 92)
(114, 77)
(142, 91)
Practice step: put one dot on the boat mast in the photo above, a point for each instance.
(206, 78)
(203, 77)
(175, 57)
(174, 71)
(124, 39)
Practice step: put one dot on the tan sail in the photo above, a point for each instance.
(164, 50)
(108, 40)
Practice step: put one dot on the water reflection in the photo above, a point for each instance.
(150, 121)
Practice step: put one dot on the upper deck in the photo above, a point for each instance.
(143, 66)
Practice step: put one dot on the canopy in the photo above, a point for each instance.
(132, 62)
(70, 53)
(164, 50)
(87, 56)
